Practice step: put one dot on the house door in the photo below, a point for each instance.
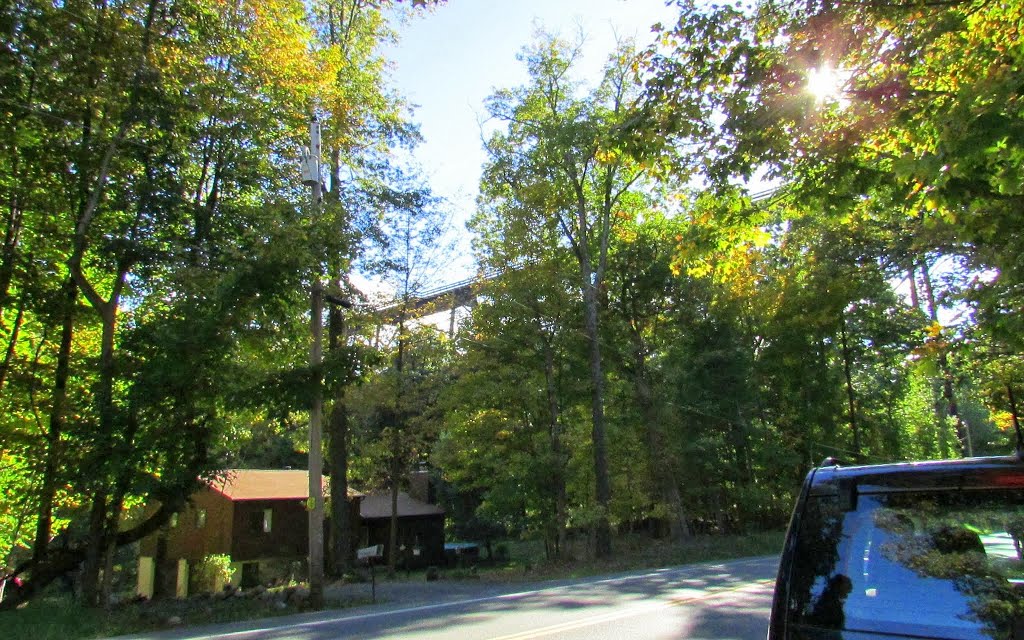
(166, 579)
(250, 574)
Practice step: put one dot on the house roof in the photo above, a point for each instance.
(378, 505)
(268, 484)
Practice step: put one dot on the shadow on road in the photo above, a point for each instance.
(745, 617)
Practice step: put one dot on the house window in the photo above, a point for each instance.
(267, 521)
(200, 518)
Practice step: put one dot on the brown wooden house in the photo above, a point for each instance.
(420, 528)
(256, 517)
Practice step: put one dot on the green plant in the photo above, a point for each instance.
(211, 573)
(501, 552)
(462, 574)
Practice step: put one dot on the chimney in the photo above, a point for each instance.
(419, 484)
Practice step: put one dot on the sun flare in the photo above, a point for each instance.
(825, 83)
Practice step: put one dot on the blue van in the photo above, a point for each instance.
(908, 550)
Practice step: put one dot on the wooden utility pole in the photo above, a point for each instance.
(311, 177)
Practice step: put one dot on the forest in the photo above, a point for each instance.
(779, 232)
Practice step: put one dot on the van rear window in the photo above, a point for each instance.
(924, 563)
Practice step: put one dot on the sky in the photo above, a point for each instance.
(449, 60)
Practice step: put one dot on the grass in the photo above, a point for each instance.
(631, 552)
(59, 618)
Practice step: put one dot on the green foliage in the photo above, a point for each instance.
(661, 351)
(748, 338)
(17, 515)
(155, 267)
(915, 150)
(210, 574)
(56, 617)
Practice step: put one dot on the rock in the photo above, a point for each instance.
(298, 596)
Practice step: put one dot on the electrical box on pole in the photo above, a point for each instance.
(311, 157)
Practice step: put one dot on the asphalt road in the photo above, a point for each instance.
(723, 601)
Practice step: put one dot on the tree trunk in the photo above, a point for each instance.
(602, 481)
(94, 549)
(48, 488)
(12, 342)
(342, 559)
(396, 457)
(915, 300)
(113, 520)
(342, 545)
(850, 397)
(124, 473)
(113, 467)
(91, 197)
(342, 548)
(393, 523)
(555, 430)
(102, 537)
(12, 235)
(662, 464)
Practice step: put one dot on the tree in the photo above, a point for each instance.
(157, 196)
(512, 435)
(409, 252)
(645, 290)
(916, 135)
(558, 165)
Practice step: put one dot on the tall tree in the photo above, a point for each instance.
(559, 164)
(515, 386)
(644, 290)
(158, 121)
(914, 122)
(364, 121)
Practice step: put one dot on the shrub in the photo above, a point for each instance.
(501, 552)
(210, 574)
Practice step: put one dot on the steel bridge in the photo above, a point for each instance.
(448, 297)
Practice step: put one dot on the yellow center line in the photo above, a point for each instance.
(629, 612)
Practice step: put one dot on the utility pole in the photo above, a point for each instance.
(311, 178)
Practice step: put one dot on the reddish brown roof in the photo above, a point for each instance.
(378, 505)
(268, 484)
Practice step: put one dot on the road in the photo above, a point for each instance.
(724, 601)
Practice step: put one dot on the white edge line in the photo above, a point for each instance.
(378, 614)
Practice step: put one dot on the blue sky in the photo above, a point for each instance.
(451, 59)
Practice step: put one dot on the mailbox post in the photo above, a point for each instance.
(370, 556)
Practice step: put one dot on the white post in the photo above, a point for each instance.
(181, 587)
(146, 583)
